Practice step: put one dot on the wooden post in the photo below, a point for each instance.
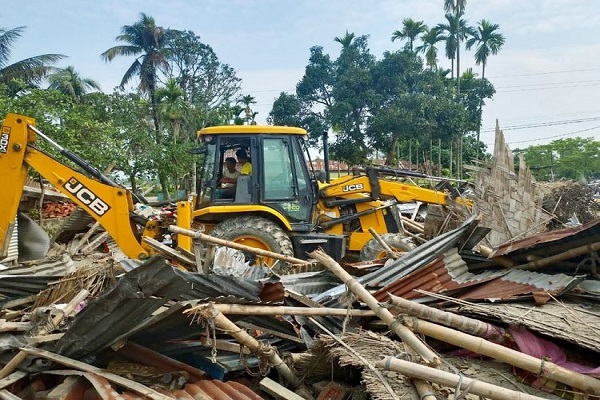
(393, 254)
(464, 324)
(246, 309)
(384, 314)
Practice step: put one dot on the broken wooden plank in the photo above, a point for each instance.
(12, 378)
(277, 391)
(9, 326)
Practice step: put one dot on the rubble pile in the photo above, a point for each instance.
(430, 321)
(462, 314)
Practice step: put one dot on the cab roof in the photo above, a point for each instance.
(251, 129)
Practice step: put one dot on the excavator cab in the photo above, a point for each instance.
(280, 177)
(273, 207)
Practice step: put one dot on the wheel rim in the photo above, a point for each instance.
(257, 243)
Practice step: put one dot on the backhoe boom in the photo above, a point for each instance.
(108, 203)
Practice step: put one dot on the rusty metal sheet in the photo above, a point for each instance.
(548, 243)
(449, 273)
(410, 262)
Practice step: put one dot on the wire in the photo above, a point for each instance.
(551, 137)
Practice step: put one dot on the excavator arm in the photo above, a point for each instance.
(110, 204)
(374, 187)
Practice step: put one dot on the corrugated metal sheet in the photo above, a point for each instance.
(13, 247)
(449, 273)
(79, 221)
(517, 284)
(548, 243)
(411, 261)
(136, 298)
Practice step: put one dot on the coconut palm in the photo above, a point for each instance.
(411, 29)
(30, 70)
(69, 82)
(430, 39)
(487, 40)
(147, 42)
(345, 40)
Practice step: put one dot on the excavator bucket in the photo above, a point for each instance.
(13, 172)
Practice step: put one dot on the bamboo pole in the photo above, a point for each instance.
(464, 324)
(449, 379)
(577, 251)
(540, 367)
(245, 309)
(237, 246)
(22, 355)
(385, 315)
(209, 311)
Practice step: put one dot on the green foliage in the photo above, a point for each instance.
(573, 158)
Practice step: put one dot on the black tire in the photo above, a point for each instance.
(372, 250)
(255, 232)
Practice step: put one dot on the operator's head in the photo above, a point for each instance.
(230, 163)
(241, 156)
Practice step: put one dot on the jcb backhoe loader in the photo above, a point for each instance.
(280, 207)
(283, 208)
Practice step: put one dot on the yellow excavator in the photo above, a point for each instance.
(281, 206)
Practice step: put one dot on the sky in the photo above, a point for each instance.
(547, 75)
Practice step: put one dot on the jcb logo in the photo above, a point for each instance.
(86, 196)
(4, 138)
(351, 188)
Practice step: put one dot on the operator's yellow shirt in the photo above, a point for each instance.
(246, 168)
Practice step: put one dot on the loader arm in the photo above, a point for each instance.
(110, 205)
(371, 185)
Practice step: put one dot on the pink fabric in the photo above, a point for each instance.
(537, 347)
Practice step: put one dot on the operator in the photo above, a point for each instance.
(244, 160)
(228, 181)
(230, 173)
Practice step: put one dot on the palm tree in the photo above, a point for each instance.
(147, 42)
(411, 29)
(458, 31)
(69, 82)
(448, 31)
(345, 40)
(171, 104)
(246, 101)
(30, 70)
(462, 31)
(488, 41)
(430, 39)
